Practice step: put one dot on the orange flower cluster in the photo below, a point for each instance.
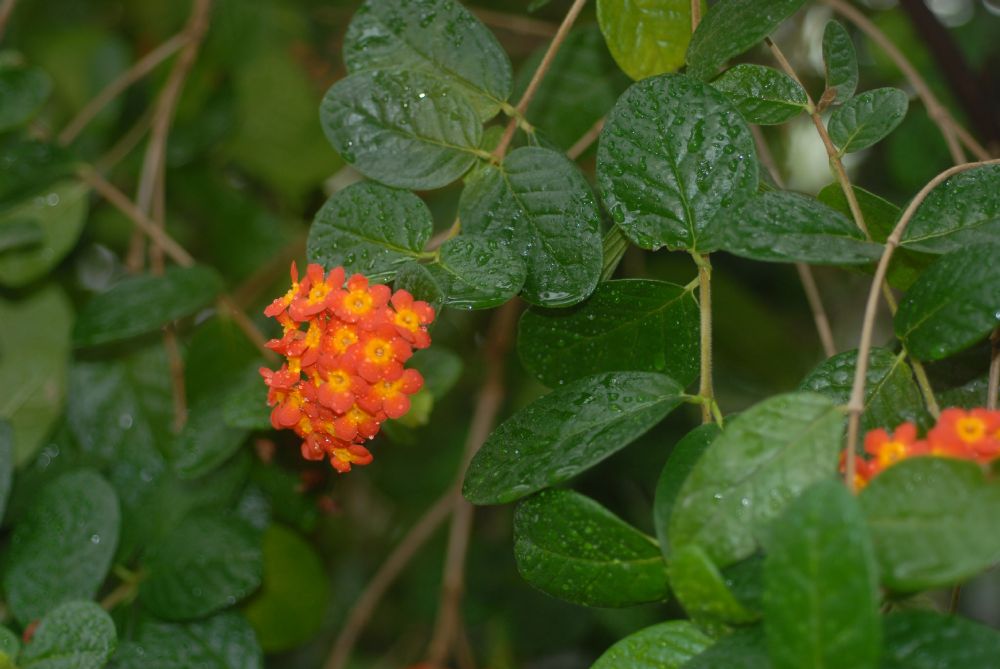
(344, 373)
(968, 435)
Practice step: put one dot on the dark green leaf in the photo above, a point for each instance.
(953, 304)
(962, 211)
(781, 226)
(764, 459)
(743, 649)
(867, 118)
(840, 61)
(675, 160)
(438, 38)
(369, 228)
(141, 304)
(702, 590)
(18, 233)
(77, 635)
(224, 641)
(627, 325)
(440, 367)
(821, 593)
(540, 205)
(205, 564)
(646, 39)
(23, 90)
(731, 27)
(762, 94)
(404, 129)
(206, 441)
(667, 645)
(29, 166)
(61, 549)
(571, 547)
(415, 278)
(292, 601)
(477, 272)
(6, 464)
(683, 457)
(891, 396)
(933, 521)
(10, 644)
(246, 405)
(566, 432)
(926, 640)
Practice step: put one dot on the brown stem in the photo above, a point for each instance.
(125, 144)
(705, 388)
(695, 14)
(586, 140)
(994, 379)
(6, 9)
(522, 25)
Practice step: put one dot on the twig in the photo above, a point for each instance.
(6, 9)
(586, 140)
(994, 379)
(695, 14)
(855, 405)
(125, 144)
(522, 25)
(705, 388)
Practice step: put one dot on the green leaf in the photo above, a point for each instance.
(59, 214)
(404, 129)
(667, 645)
(962, 211)
(781, 226)
(953, 304)
(415, 278)
(10, 644)
(891, 395)
(206, 441)
(764, 459)
(370, 229)
(246, 406)
(762, 94)
(743, 649)
(440, 367)
(541, 206)
(205, 564)
(29, 166)
(292, 601)
(731, 27)
(627, 325)
(821, 593)
(571, 547)
(702, 590)
(138, 305)
(840, 62)
(6, 464)
(437, 38)
(23, 90)
(675, 160)
(16, 234)
(61, 549)
(646, 39)
(933, 521)
(566, 432)
(927, 640)
(77, 635)
(867, 118)
(224, 641)
(477, 272)
(683, 457)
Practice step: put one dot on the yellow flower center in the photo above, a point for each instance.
(970, 430)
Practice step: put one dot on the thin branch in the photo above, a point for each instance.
(6, 9)
(994, 379)
(586, 140)
(855, 405)
(125, 144)
(695, 14)
(515, 23)
(705, 388)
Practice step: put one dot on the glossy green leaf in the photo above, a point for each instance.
(369, 228)
(440, 367)
(29, 166)
(891, 395)
(683, 457)
(566, 432)
(867, 118)
(23, 90)
(437, 38)
(6, 464)
(840, 62)
(59, 213)
(765, 457)
(675, 160)
(206, 441)
(627, 325)
(933, 521)
(646, 38)
(821, 594)
(61, 549)
(541, 206)
(667, 645)
(402, 128)
(141, 304)
(416, 279)
(743, 649)
(762, 94)
(477, 272)
(954, 303)
(781, 226)
(76, 635)
(702, 590)
(224, 641)
(571, 547)
(731, 27)
(246, 405)
(927, 640)
(205, 564)
(962, 211)
(292, 601)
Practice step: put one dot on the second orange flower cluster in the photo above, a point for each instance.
(967, 435)
(344, 373)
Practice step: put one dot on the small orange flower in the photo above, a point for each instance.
(411, 317)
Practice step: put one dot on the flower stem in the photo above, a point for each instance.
(705, 388)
